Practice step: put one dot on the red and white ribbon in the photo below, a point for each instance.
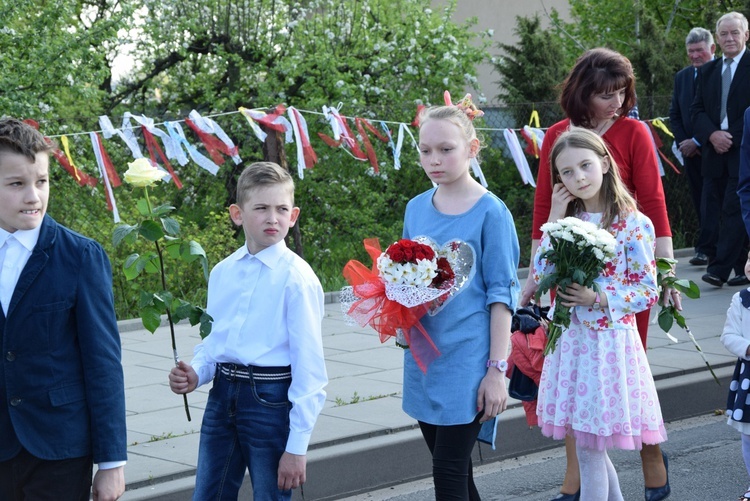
(306, 157)
(518, 157)
(105, 173)
(208, 126)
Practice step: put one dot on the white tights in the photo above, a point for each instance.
(746, 454)
(598, 476)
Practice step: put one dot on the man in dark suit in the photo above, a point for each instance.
(62, 397)
(721, 98)
(743, 190)
(700, 50)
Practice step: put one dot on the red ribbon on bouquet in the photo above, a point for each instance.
(386, 316)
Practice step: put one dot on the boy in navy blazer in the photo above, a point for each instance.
(62, 397)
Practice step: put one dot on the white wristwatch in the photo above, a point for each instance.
(501, 365)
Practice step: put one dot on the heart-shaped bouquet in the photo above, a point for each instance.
(405, 281)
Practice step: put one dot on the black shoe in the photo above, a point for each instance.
(738, 280)
(700, 259)
(663, 492)
(712, 279)
(568, 497)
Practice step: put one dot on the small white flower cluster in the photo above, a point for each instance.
(584, 235)
(420, 274)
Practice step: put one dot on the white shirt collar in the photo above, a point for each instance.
(268, 256)
(27, 238)
(735, 59)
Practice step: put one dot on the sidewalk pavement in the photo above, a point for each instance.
(363, 440)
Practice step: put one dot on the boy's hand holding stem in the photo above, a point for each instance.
(183, 378)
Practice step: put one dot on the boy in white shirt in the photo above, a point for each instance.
(264, 353)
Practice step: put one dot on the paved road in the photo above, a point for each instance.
(704, 456)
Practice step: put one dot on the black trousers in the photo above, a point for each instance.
(695, 182)
(28, 478)
(451, 448)
(723, 221)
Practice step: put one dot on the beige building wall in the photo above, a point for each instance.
(500, 16)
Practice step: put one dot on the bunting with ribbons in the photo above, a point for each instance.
(170, 143)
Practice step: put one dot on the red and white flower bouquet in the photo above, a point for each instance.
(405, 282)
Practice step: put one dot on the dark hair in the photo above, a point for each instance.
(262, 174)
(613, 193)
(596, 71)
(19, 137)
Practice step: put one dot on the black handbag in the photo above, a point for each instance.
(521, 386)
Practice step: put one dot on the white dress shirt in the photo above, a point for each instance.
(15, 251)
(733, 68)
(268, 310)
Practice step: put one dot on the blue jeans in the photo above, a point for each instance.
(245, 425)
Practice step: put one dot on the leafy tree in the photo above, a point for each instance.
(651, 33)
(55, 56)
(380, 58)
(532, 70)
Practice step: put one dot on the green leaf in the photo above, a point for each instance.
(129, 267)
(182, 309)
(665, 265)
(151, 318)
(172, 247)
(694, 291)
(206, 323)
(192, 250)
(171, 226)
(680, 319)
(163, 210)
(149, 263)
(146, 299)
(151, 230)
(162, 299)
(579, 276)
(142, 206)
(121, 232)
(666, 319)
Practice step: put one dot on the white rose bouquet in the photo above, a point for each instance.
(579, 250)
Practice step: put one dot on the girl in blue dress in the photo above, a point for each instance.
(465, 386)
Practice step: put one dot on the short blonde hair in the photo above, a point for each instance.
(453, 114)
(262, 174)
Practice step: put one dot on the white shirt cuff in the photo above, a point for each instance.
(108, 465)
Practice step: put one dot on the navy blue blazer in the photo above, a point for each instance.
(743, 186)
(706, 109)
(682, 97)
(61, 378)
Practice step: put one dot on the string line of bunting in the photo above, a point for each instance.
(176, 147)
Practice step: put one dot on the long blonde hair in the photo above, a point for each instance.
(613, 194)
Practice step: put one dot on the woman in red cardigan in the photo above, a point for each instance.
(597, 95)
